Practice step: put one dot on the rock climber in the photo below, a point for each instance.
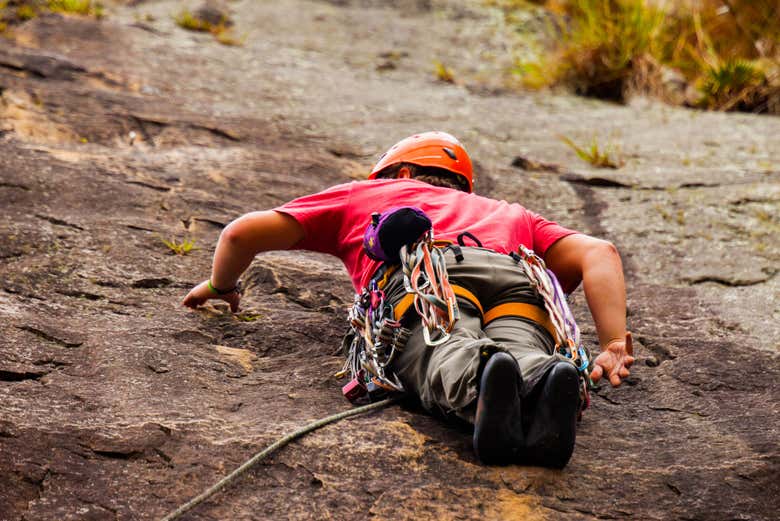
(498, 368)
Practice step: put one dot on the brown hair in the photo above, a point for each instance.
(428, 174)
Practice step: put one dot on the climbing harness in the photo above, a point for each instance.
(186, 507)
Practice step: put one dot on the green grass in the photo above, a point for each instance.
(727, 84)
(15, 13)
(82, 7)
(606, 157)
(186, 20)
(601, 44)
(179, 248)
(221, 31)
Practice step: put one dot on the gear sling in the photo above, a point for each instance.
(379, 330)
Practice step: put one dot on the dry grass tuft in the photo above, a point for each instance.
(16, 12)
(219, 27)
(179, 248)
(82, 7)
(606, 157)
(606, 44)
(444, 73)
(726, 51)
(186, 20)
(227, 38)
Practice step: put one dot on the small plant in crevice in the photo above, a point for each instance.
(179, 247)
(227, 38)
(145, 18)
(443, 73)
(186, 20)
(595, 154)
(217, 24)
(247, 316)
(665, 215)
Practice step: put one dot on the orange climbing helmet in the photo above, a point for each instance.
(436, 149)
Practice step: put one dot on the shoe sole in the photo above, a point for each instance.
(496, 431)
(553, 432)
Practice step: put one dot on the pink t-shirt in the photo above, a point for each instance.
(335, 220)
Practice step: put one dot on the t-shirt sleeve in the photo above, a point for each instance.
(321, 215)
(545, 233)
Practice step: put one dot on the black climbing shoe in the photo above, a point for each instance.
(498, 430)
(550, 439)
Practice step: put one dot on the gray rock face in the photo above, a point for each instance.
(116, 403)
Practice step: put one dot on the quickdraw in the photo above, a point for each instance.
(376, 338)
(377, 335)
(567, 341)
(425, 276)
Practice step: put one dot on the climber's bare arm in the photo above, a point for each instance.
(597, 264)
(238, 244)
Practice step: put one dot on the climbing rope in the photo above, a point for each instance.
(265, 452)
(425, 276)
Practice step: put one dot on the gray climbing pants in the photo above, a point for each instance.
(445, 376)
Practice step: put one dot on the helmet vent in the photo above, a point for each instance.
(450, 153)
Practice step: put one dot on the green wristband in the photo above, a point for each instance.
(219, 291)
